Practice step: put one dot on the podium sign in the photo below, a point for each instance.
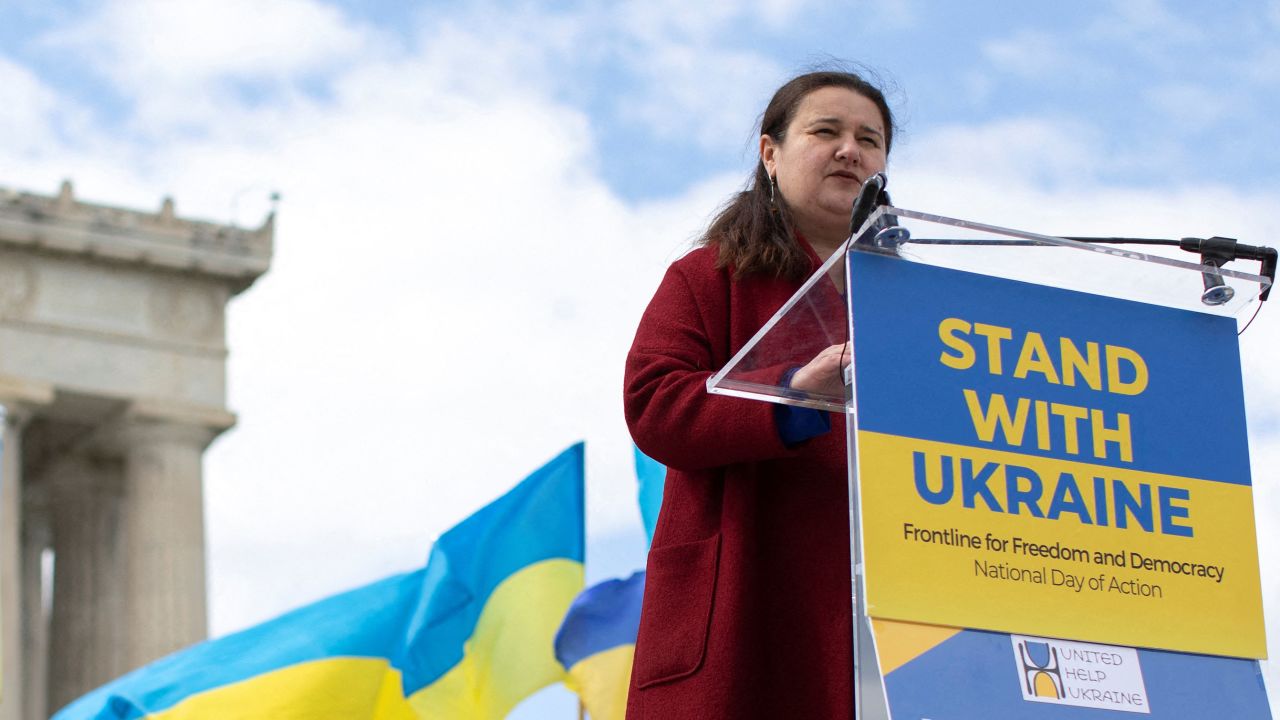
(1050, 501)
(1048, 462)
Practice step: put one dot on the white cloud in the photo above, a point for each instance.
(1029, 54)
(35, 121)
(49, 138)
(686, 85)
(1020, 151)
(516, 53)
(27, 109)
(452, 297)
(145, 41)
(714, 95)
(181, 62)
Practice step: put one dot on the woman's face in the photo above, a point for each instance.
(835, 141)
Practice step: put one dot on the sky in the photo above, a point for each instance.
(478, 199)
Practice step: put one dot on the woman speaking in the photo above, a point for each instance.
(747, 606)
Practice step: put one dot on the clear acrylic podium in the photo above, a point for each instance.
(819, 316)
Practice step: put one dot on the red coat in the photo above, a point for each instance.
(747, 601)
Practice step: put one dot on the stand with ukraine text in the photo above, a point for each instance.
(1050, 495)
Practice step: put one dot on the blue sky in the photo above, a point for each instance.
(1158, 88)
(479, 198)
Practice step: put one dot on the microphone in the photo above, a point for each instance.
(1216, 252)
(886, 235)
(871, 195)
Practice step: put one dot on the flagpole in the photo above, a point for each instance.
(582, 711)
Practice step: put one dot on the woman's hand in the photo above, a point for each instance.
(824, 374)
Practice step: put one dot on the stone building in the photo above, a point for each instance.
(113, 377)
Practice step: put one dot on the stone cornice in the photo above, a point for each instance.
(18, 393)
(149, 419)
(156, 411)
(66, 225)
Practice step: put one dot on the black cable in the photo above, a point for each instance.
(1124, 241)
(1255, 317)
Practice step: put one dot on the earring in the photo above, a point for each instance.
(773, 190)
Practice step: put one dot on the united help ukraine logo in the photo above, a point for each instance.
(1041, 674)
(1063, 672)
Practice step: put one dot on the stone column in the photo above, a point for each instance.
(37, 537)
(84, 632)
(163, 540)
(11, 570)
(123, 312)
(18, 398)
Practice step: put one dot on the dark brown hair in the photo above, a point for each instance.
(753, 234)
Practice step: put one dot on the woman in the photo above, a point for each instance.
(747, 601)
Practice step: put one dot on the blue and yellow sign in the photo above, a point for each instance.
(1047, 462)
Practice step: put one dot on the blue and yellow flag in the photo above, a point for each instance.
(597, 640)
(652, 478)
(468, 636)
(597, 643)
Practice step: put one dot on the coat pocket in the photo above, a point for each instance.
(679, 592)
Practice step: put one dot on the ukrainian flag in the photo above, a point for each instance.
(652, 478)
(468, 636)
(597, 643)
